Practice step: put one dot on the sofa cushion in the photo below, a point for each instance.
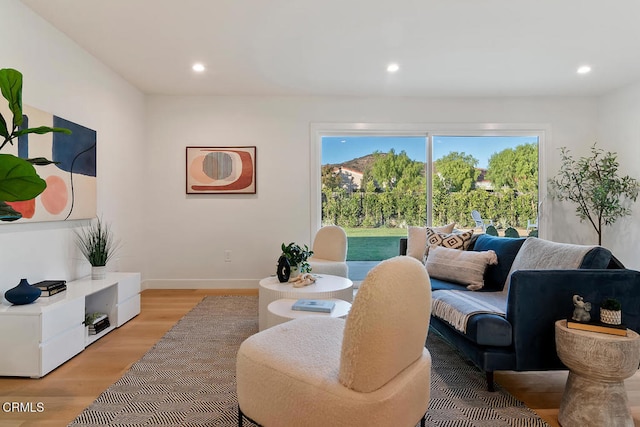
(489, 329)
(598, 258)
(417, 239)
(437, 284)
(465, 267)
(506, 250)
(457, 307)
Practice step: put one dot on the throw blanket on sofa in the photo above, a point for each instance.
(456, 307)
(539, 254)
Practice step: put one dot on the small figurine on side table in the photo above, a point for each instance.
(581, 310)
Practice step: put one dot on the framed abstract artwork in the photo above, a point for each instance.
(221, 170)
(71, 179)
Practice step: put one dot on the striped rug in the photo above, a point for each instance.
(188, 379)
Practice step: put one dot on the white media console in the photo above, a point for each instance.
(39, 337)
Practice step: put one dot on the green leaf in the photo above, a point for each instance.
(41, 161)
(7, 213)
(11, 87)
(18, 179)
(42, 130)
(4, 132)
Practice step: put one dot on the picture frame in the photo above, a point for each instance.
(221, 170)
(71, 191)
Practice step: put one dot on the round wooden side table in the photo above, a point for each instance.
(598, 365)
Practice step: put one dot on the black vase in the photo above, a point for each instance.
(22, 294)
(284, 269)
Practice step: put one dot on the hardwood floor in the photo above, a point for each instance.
(60, 396)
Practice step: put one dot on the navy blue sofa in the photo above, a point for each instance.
(523, 339)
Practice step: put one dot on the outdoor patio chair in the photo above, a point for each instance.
(533, 224)
(480, 223)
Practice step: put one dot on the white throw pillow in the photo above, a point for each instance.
(417, 239)
(459, 266)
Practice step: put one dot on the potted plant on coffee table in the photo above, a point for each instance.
(297, 257)
(98, 245)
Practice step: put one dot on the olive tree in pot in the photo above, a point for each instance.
(98, 245)
(593, 184)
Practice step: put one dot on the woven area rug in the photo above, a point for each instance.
(188, 379)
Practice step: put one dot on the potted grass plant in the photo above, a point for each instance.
(98, 245)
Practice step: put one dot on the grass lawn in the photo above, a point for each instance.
(373, 244)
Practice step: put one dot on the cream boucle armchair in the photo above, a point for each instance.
(330, 252)
(371, 369)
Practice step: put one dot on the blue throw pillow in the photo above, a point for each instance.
(506, 249)
(597, 257)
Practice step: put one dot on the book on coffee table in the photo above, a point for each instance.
(317, 305)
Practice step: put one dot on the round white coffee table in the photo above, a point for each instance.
(325, 287)
(280, 311)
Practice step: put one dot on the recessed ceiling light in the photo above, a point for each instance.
(198, 67)
(584, 69)
(393, 67)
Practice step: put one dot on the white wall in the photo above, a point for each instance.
(63, 79)
(188, 234)
(619, 131)
(178, 240)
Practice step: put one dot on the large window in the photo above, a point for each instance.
(494, 175)
(379, 179)
(374, 181)
(374, 187)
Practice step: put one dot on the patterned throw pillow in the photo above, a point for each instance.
(452, 240)
(417, 239)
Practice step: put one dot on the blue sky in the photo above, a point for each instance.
(336, 149)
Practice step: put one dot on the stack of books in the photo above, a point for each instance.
(97, 323)
(51, 287)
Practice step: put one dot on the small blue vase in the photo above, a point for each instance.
(22, 294)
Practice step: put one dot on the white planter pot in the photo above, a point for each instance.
(611, 317)
(98, 272)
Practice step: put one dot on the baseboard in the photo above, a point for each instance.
(200, 284)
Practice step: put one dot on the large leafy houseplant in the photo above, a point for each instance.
(19, 180)
(594, 185)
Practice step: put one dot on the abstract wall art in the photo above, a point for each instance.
(221, 170)
(71, 180)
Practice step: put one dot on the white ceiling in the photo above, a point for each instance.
(342, 47)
